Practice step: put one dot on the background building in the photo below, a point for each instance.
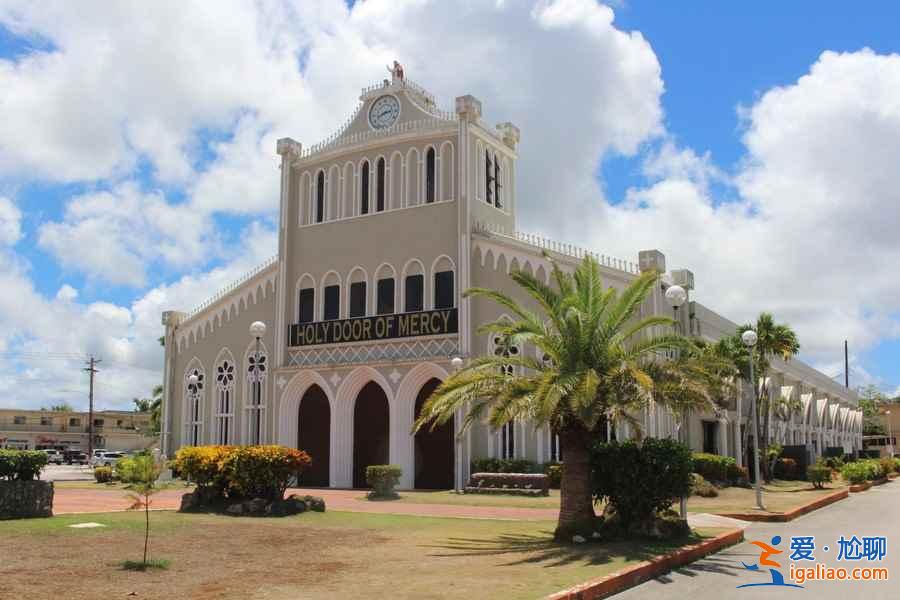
(41, 429)
(382, 227)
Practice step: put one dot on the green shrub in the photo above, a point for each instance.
(818, 475)
(263, 471)
(887, 465)
(862, 471)
(701, 487)
(835, 463)
(22, 465)
(202, 465)
(103, 474)
(383, 479)
(504, 465)
(897, 464)
(714, 467)
(640, 480)
(553, 471)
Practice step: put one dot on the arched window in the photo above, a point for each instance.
(429, 176)
(379, 185)
(307, 302)
(444, 295)
(320, 197)
(193, 394)
(498, 202)
(413, 287)
(554, 452)
(331, 297)
(255, 400)
(385, 287)
(224, 415)
(488, 178)
(364, 189)
(357, 294)
(508, 440)
(506, 437)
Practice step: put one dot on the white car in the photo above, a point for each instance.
(105, 459)
(53, 456)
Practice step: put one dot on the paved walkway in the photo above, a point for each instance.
(75, 501)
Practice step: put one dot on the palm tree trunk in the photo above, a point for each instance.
(147, 528)
(576, 508)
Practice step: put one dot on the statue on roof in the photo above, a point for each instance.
(396, 72)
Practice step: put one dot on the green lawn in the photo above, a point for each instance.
(778, 497)
(313, 556)
(454, 498)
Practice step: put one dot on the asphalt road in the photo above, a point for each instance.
(872, 513)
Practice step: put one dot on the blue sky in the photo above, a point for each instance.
(713, 58)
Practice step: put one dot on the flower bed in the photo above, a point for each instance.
(522, 484)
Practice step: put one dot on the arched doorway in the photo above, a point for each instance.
(433, 448)
(371, 431)
(313, 435)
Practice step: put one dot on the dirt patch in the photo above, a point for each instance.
(231, 558)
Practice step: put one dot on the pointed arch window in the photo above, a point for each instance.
(320, 197)
(498, 202)
(364, 189)
(488, 178)
(508, 440)
(443, 289)
(379, 185)
(307, 302)
(255, 403)
(430, 173)
(193, 393)
(225, 402)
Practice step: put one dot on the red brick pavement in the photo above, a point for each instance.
(71, 500)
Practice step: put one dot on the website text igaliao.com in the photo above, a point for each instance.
(821, 572)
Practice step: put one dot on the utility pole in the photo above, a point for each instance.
(92, 370)
(846, 366)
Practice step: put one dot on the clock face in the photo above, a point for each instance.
(384, 112)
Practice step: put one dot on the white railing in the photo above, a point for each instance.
(557, 247)
(357, 138)
(232, 286)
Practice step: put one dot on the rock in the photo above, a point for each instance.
(235, 509)
(596, 535)
(189, 502)
(578, 539)
(22, 499)
(256, 506)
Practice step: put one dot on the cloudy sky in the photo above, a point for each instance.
(756, 145)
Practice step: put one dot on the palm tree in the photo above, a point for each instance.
(775, 339)
(596, 352)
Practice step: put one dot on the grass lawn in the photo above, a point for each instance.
(778, 497)
(311, 556)
(454, 498)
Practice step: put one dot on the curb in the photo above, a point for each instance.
(860, 487)
(632, 576)
(791, 514)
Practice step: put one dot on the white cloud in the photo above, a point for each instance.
(10, 222)
(114, 234)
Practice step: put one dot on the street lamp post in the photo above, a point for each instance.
(890, 432)
(675, 297)
(749, 338)
(457, 362)
(257, 330)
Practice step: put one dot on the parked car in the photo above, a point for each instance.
(75, 457)
(106, 459)
(54, 456)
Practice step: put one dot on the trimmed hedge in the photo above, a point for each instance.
(714, 467)
(383, 479)
(103, 474)
(236, 472)
(640, 480)
(504, 465)
(536, 484)
(22, 465)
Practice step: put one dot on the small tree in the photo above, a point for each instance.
(140, 474)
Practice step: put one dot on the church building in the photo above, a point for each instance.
(333, 345)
